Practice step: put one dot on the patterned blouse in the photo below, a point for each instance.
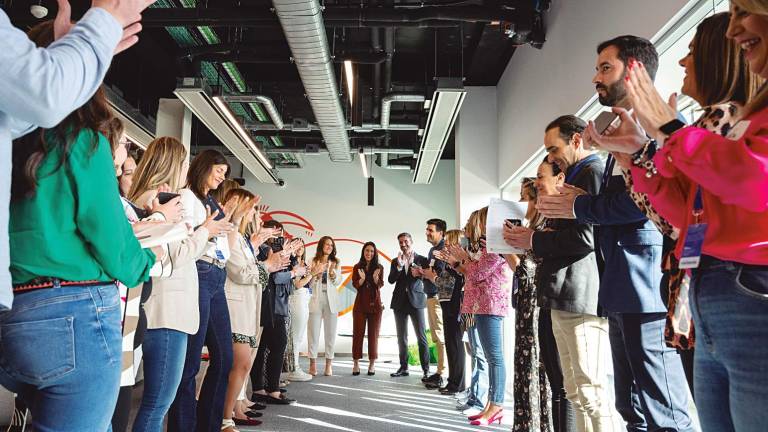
(487, 288)
(716, 118)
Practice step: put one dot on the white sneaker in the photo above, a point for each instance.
(299, 376)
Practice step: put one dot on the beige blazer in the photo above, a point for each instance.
(243, 289)
(174, 300)
(334, 282)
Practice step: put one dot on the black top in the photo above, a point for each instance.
(429, 288)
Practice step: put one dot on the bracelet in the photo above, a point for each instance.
(643, 158)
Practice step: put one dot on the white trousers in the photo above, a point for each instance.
(584, 348)
(299, 305)
(329, 320)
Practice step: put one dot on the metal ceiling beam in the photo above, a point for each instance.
(427, 16)
(256, 58)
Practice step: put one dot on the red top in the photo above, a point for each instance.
(368, 299)
(733, 174)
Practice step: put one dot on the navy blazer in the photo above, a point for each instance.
(631, 248)
(408, 289)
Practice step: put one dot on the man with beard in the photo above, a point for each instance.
(650, 387)
(409, 300)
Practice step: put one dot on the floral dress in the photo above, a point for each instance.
(531, 389)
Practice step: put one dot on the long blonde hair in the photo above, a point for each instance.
(161, 164)
(475, 227)
(453, 237)
(757, 7)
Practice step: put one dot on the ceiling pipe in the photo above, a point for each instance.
(389, 50)
(266, 127)
(386, 104)
(376, 46)
(368, 150)
(304, 29)
(265, 101)
(239, 56)
(333, 16)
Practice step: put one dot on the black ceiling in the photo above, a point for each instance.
(429, 39)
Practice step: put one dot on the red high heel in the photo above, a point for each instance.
(476, 416)
(497, 417)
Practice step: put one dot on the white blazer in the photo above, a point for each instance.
(334, 282)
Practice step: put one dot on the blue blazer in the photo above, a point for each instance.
(631, 248)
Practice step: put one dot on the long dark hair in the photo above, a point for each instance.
(200, 169)
(374, 261)
(30, 151)
(722, 74)
(319, 251)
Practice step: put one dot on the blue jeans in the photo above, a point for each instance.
(215, 332)
(730, 310)
(490, 331)
(478, 387)
(60, 350)
(164, 353)
(649, 381)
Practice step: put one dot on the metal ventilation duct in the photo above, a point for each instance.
(302, 23)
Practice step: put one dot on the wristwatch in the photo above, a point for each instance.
(671, 126)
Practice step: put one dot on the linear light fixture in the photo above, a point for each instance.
(215, 114)
(364, 164)
(444, 109)
(136, 127)
(349, 73)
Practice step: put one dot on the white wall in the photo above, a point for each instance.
(539, 85)
(331, 197)
(476, 151)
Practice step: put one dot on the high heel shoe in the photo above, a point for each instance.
(475, 417)
(496, 417)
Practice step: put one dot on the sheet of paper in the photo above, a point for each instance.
(499, 211)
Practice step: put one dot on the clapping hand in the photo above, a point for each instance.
(216, 227)
(230, 208)
(445, 256)
(173, 211)
(651, 109)
(429, 273)
(276, 261)
(560, 206)
(258, 238)
(376, 276)
(628, 137)
(128, 14)
(361, 275)
(517, 236)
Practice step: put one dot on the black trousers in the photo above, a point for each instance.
(266, 369)
(454, 349)
(563, 414)
(418, 320)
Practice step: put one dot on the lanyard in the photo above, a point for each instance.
(576, 169)
(609, 164)
(698, 206)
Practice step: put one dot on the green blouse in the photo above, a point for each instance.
(75, 228)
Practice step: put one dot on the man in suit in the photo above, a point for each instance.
(409, 300)
(568, 283)
(651, 391)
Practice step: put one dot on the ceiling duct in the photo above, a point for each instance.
(302, 23)
(386, 104)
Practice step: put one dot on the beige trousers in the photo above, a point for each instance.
(435, 316)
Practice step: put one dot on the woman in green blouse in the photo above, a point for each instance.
(70, 240)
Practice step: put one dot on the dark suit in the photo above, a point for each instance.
(651, 392)
(409, 300)
(454, 348)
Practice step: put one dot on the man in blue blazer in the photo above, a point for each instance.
(651, 391)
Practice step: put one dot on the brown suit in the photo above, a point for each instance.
(368, 308)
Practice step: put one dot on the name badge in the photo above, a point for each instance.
(219, 255)
(694, 240)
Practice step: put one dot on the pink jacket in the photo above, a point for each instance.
(733, 175)
(487, 286)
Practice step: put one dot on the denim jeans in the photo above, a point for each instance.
(60, 351)
(490, 331)
(730, 311)
(164, 353)
(478, 387)
(215, 332)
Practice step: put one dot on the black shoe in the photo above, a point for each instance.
(355, 373)
(257, 406)
(282, 400)
(434, 378)
(400, 373)
(258, 398)
(425, 378)
(430, 385)
(448, 390)
(254, 414)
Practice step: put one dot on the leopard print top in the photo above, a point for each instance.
(716, 118)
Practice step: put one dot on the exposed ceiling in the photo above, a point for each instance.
(398, 47)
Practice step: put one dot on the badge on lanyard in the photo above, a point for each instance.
(694, 237)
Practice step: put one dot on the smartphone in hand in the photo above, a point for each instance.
(514, 222)
(164, 197)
